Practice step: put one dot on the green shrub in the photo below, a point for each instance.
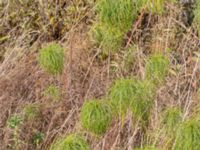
(117, 13)
(31, 111)
(157, 68)
(115, 18)
(14, 121)
(96, 116)
(171, 119)
(121, 94)
(188, 136)
(109, 38)
(38, 138)
(71, 142)
(142, 100)
(51, 58)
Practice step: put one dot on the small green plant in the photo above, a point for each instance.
(51, 58)
(142, 100)
(115, 18)
(37, 138)
(71, 142)
(31, 111)
(188, 136)
(53, 92)
(121, 94)
(157, 68)
(14, 121)
(171, 119)
(96, 116)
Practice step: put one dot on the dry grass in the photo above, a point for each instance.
(88, 75)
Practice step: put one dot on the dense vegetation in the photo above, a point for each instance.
(105, 74)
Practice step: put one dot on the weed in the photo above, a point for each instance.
(51, 58)
(14, 121)
(71, 142)
(157, 68)
(171, 119)
(37, 138)
(31, 111)
(53, 92)
(115, 18)
(121, 94)
(143, 100)
(188, 135)
(96, 116)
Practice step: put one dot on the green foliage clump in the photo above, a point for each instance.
(157, 68)
(121, 94)
(142, 100)
(115, 18)
(51, 58)
(188, 135)
(37, 138)
(172, 118)
(14, 121)
(117, 13)
(53, 92)
(31, 111)
(96, 116)
(71, 142)
(132, 94)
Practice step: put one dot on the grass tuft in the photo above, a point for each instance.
(121, 94)
(96, 116)
(171, 119)
(51, 58)
(71, 142)
(31, 111)
(53, 92)
(115, 18)
(14, 121)
(142, 100)
(188, 136)
(157, 68)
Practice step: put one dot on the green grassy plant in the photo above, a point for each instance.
(31, 111)
(171, 119)
(53, 92)
(132, 94)
(51, 58)
(38, 138)
(188, 136)
(157, 68)
(14, 121)
(96, 116)
(71, 142)
(142, 100)
(115, 18)
(121, 94)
